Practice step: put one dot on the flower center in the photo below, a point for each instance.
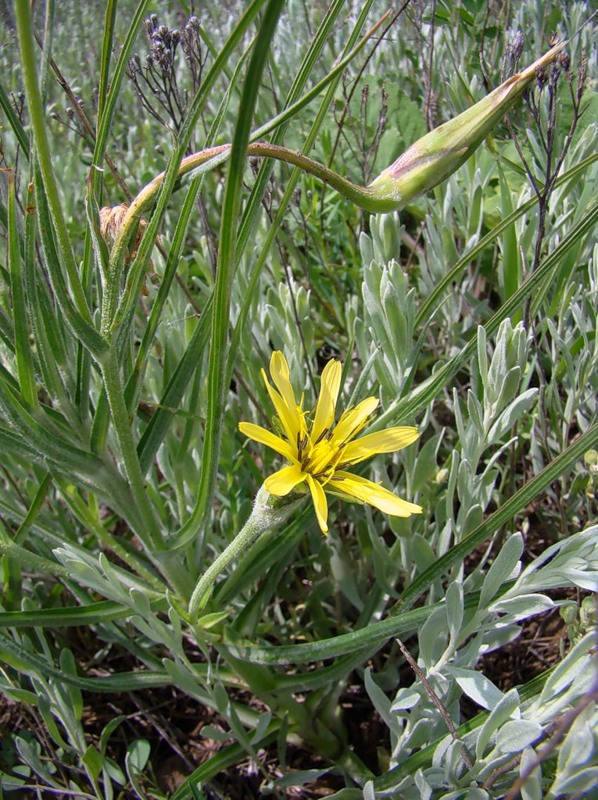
(321, 460)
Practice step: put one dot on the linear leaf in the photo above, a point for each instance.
(23, 353)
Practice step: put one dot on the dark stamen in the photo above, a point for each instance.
(325, 432)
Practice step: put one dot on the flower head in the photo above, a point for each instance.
(320, 451)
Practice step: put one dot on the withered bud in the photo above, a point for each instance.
(565, 62)
(111, 223)
(541, 78)
(111, 220)
(150, 24)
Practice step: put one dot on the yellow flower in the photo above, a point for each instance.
(319, 452)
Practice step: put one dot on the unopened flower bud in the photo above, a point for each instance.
(440, 153)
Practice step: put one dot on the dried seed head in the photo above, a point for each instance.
(510, 61)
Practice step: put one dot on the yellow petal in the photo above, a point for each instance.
(329, 388)
(374, 494)
(291, 417)
(352, 421)
(284, 481)
(279, 370)
(320, 502)
(388, 441)
(261, 435)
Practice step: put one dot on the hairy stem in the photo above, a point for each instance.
(267, 513)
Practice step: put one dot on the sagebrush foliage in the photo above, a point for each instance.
(128, 357)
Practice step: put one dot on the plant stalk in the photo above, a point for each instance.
(267, 513)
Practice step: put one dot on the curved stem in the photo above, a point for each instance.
(363, 197)
(421, 167)
(267, 513)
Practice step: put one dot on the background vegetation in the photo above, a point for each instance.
(451, 655)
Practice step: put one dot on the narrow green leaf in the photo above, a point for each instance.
(226, 263)
(510, 264)
(23, 353)
(44, 156)
(14, 122)
(80, 325)
(34, 509)
(93, 614)
(45, 323)
(110, 87)
(351, 50)
(172, 263)
(225, 758)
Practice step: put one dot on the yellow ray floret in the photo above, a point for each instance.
(319, 452)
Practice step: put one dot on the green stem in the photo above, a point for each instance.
(267, 513)
(363, 197)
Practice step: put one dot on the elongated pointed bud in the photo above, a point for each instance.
(441, 152)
